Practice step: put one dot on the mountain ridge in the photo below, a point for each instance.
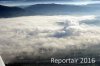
(47, 9)
(6, 11)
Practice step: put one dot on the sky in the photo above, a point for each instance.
(32, 2)
(49, 0)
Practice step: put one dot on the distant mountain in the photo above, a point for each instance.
(56, 9)
(48, 9)
(94, 5)
(6, 11)
(51, 9)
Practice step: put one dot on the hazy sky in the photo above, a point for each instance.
(27, 2)
(49, 0)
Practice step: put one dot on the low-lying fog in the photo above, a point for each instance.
(48, 36)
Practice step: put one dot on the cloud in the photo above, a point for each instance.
(47, 36)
